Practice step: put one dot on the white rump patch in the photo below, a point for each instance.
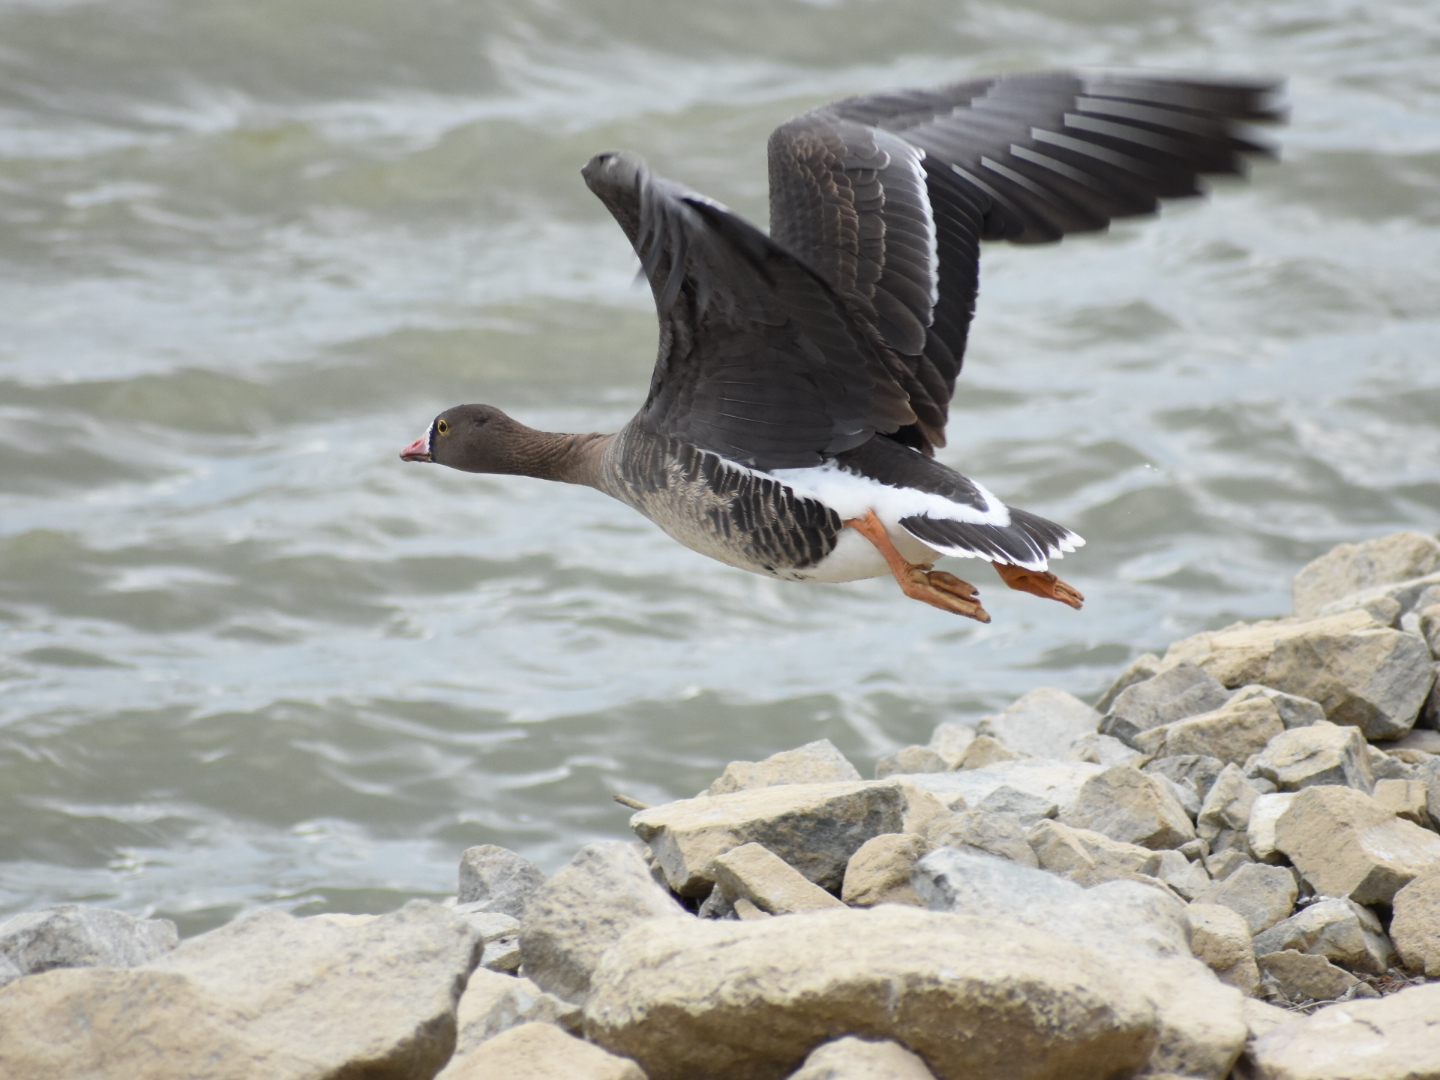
(850, 495)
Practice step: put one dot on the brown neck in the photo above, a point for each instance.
(552, 455)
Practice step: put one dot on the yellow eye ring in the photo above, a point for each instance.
(442, 427)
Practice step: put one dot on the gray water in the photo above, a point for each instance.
(248, 250)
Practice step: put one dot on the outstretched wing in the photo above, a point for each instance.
(760, 358)
(888, 196)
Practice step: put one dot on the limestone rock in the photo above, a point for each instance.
(1142, 932)
(1338, 929)
(1101, 750)
(1175, 694)
(1304, 976)
(949, 740)
(1347, 844)
(76, 935)
(1230, 733)
(499, 936)
(1391, 1038)
(584, 909)
(1262, 1018)
(1323, 753)
(767, 881)
(1404, 798)
(910, 759)
(861, 1059)
(879, 873)
(1415, 927)
(493, 1003)
(818, 762)
(921, 812)
(1188, 879)
(1192, 772)
(986, 750)
(1222, 864)
(749, 1001)
(496, 879)
(1260, 831)
(1220, 937)
(1262, 895)
(1428, 620)
(1041, 723)
(1131, 806)
(266, 997)
(1428, 773)
(995, 834)
(813, 827)
(1294, 711)
(1057, 782)
(1145, 666)
(540, 1052)
(1021, 806)
(1351, 568)
(1228, 804)
(1088, 858)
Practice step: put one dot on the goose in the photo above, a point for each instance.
(804, 376)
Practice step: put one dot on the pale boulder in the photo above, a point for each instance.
(1042, 723)
(768, 882)
(1174, 694)
(1230, 733)
(1133, 807)
(1227, 805)
(1088, 858)
(1322, 753)
(493, 1003)
(1056, 782)
(949, 740)
(1415, 927)
(1408, 799)
(987, 750)
(1351, 568)
(540, 1052)
(1145, 666)
(1338, 929)
(494, 878)
(1220, 937)
(862, 1059)
(1304, 976)
(994, 834)
(1260, 830)
(1262, 895)
(879, 873)
(1389, 1038)
(77, 935)
(910, 759)
(818, 762)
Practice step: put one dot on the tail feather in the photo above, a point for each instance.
(1029, 541)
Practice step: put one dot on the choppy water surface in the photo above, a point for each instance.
(247, 250)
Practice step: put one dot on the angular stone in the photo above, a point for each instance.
(1322, 753)
(266, 997)
(910, 759)
(496, 879)
(1396, 1037)
(922, 812)
(1238, 654)
(1351, 568)
(767, 881)
(499, 936)
(1133, 807)
(1195, 772)
(860, 1059)
(1141, 931)
(1145, 666)
(1228, 804)
(1404, 798)
(1101, 750)
(1057, 782)
(1262, 1018)
(1024, 808)
(994, 834)
(1294, 711)
(1260, 832)
(1385, 767)
(1338, 929)
(1429, 627)
(1188, 879)
(1305, 976)
(1415, 927)
(1347, 844)
(1088, 858)
(1175, 694)
(813, 827)
(1231, 733)
(493, 1003)
(1262, 895)
(76, 935)
(584, 909)
(746, 911)
(879, 873)
(1041, 723)
(1221, 938)
(986, 750)
(540, 1052)
(1372, 678)
(1428, 773)
(748, 1001)
(818, 762)
(950, 739)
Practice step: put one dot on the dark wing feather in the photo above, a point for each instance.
(888, 196)
(760, 359)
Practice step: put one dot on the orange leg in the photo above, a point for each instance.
(917, 580)
(1041, 583)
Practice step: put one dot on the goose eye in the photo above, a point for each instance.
(442, 427)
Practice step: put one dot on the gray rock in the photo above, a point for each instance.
(493, 1003)
(499, 936)
(1221, 938)
(768, 882)
(813, 827)
(1262, 895)
(1351, 568)
(1391, 1038)
(1385, 767)
(1294, 711)
(1408, 799)
(497, 879)
(910, 759)
(584, 909)
(950, 740)
(1222, 864)
(987, 750)
(1323, 753)
(539, 1051)
(1089, 858)
(1188, 879)
(994, 834)
(9, 970)
(1145, 666)
(818, 762)
(76, 935)
(1132, 806)
(1428, 624)
(1142, 931)
(1175, 694)
(1057, 782)
(716, 906)
(1023, 807)
(1043, 723)
(1304, 976)
(1194, 771)
(879, 873)
(1228, 804)
(1428, 773)
(1338, 929)
(1416, 924)
(860, 1059)
(1260, 832)
(1231, 733)
(1101, 750)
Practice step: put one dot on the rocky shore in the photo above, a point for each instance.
(1229, 867)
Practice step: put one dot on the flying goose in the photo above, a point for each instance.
(804, 377)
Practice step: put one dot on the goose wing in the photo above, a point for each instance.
(888, 196)
(760, 359)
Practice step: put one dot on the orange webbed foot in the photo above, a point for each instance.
(917, 581)
(1040, 583)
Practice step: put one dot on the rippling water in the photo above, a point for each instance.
(247, 250)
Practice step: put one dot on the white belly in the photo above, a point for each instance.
(856, 558)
